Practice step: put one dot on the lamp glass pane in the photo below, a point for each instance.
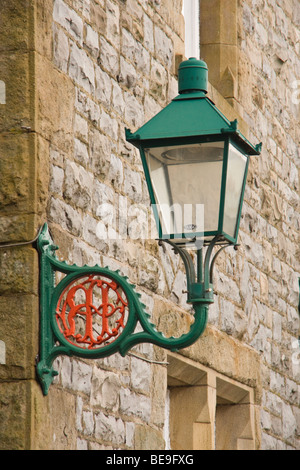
(186, 181)
(236, 168)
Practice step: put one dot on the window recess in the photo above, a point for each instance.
(206, 410)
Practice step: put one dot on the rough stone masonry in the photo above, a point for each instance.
(76, 73)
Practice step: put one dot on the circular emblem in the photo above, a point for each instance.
(92, 311)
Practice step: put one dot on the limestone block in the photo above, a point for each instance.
(109, 125)
(81, 378)
(65, 216)
(172, 13)
(117, 99)
(163, 47)
(21, 18)
(69, 19)
(17, 114)
(135, 10)
(17, 228)
(100, 150)
(289, 424)
(140, 374)
(128, 75)
(115, 174)
(44, 27)
(81, 129)
(81, 154)
(103, 87)
(142, 60)
(132, 184)
(91, 41)
(105, 389)
(129, 430)
(61, 432)
(228, 287)
(148, 33)
(109, 57)
(109, 429)
(60, 49)
(57, 179)
(88, 423)
(132, 404)
(158, 81)
(55, 116)
(95, 233)
(221, 27)
(13, 415)
(98, 16)
(134, 113)
(86, 106)
(2, 352)
(129, 45)
(102, 195)
(228, 323)
(151, 107)
(78, 185)
(113, 23)
(17, 172)
(81, 69)
(21, 323)
(147, 438)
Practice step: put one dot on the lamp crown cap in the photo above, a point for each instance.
(192, 76)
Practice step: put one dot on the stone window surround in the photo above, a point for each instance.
(219, 45)
(219, 49)
(208, 410)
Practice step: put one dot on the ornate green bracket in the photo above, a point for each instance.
(93, 312)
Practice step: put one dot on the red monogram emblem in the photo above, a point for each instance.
(92, 311)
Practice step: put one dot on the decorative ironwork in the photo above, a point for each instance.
(91, 311)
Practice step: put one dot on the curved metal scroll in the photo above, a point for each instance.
(93, 312)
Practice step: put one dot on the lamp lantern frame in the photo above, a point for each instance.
(193, 119)
(204, 236)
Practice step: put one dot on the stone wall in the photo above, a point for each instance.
(96, 67)
(102, 66)
(118, 58)
(268, 35)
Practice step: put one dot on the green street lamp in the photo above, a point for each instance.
(195, 162)
(193, 158)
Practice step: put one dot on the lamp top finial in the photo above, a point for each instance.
(192, 76)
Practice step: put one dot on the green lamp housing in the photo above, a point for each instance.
(195, 162)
